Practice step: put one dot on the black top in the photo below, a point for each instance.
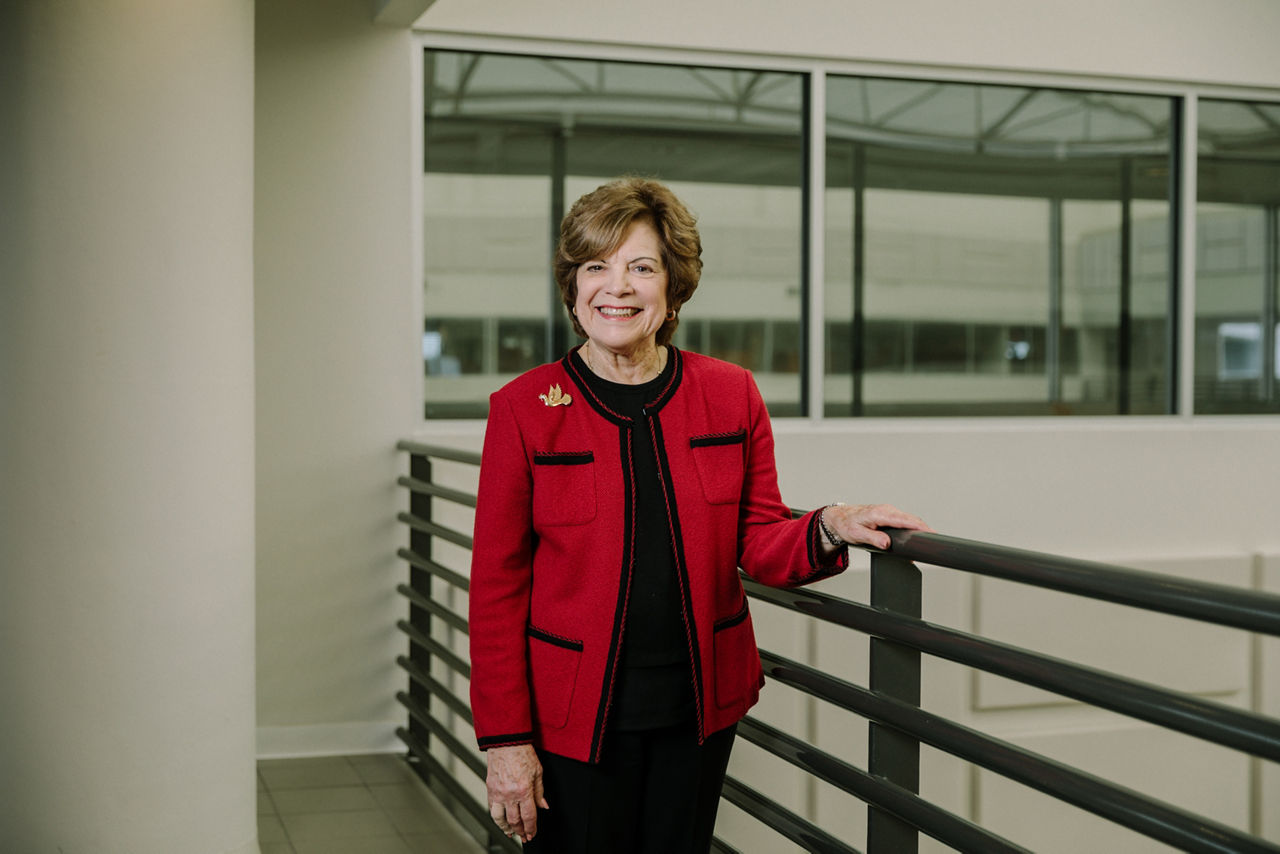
(654, 686)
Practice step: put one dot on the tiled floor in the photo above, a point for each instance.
(352, 805)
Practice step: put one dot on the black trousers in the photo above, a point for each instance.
(653, 792)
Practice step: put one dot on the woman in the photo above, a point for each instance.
(620, 490)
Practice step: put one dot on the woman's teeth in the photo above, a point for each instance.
(618, 312)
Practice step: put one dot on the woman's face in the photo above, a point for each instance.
(622, 297)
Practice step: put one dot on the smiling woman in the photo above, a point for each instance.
(621, 305)
(620, 490)
(631, 234)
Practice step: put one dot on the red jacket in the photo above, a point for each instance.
(553, 550)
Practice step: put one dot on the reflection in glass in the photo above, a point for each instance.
(485, 257)
(511, 140)
(1237, 256)
(995, 250)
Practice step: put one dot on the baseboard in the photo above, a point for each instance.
(288, 742)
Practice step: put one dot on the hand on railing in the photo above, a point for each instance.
(860, 524)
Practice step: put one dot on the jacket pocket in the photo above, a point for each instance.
(737, 658)
(564, 488)
(719, 460)
(553, 674)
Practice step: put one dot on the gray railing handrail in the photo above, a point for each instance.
(439, 452)
(1157, 819)
(1216, 722)
(443, 532)
(897, 725)
(868, 787)
(1201, 600)
(1206, 601)
(416, 560)
(457, 496)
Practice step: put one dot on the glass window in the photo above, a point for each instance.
(1002, 250)
(886, 345)
(520, 342)
(1237, 240)
(940, 348)
(485, 285)
(453, 347)
(784, 348)
(512, 140)
(989, 249)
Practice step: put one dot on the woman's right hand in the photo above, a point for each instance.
(515, 789)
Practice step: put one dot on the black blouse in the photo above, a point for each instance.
(654, 686)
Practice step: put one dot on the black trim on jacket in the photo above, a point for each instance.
(737, 437)
(624, 588)
(682, 570)
(554, 639)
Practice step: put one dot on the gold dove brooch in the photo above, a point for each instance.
(555, 397)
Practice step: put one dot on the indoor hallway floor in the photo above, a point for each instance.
(370, 804)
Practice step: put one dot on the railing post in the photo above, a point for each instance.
(895, 672)
(420, 580)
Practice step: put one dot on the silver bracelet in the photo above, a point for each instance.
(831, 535)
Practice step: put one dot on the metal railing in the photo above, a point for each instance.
(890, 784)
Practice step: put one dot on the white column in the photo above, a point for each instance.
(126, 427)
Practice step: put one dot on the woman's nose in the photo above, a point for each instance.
(620, 282)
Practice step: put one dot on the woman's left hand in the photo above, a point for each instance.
(860, 524)
(514, 781)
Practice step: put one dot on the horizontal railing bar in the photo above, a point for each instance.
(435, 608)
(804, 833)
(460, 795)
(436, 688)
(434, 647)
(719, 846)
(946, 827)
(440, 452)
(426, 487)
(1156, 819)
(423, 716)
(1200, 600)
(1230, 727)
(436, 530)
(454, 577)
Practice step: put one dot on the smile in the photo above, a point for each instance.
(611, 311)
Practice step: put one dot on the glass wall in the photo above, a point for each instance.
(511, 141)
(1237, 363)
(986, 249)
(996, 250)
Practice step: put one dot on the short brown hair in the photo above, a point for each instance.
(596, 224)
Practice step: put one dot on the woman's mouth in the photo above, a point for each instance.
(618, 311)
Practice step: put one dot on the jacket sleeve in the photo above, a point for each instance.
(501, 573)
(773, 548)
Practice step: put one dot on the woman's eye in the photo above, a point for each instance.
(643, 269)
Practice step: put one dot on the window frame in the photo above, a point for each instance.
(1183, 202)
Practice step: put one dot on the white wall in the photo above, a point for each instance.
(338, 370)
(126, 428)
(1209, 41)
